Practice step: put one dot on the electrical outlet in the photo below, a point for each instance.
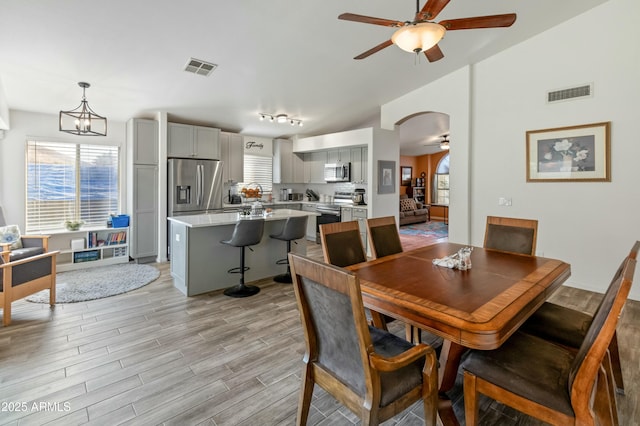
(177, 237)
(502, 201)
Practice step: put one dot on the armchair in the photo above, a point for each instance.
(25, 270)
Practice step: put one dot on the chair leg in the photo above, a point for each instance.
(6, 312)
(52, 290)
(470, 399)
(606, 386)
(615, 363)
(306, 393)
(242, 290)
(378, 321)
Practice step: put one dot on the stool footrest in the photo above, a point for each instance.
(282, 262)
(238, 270)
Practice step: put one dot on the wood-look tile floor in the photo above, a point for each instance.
(154, 356)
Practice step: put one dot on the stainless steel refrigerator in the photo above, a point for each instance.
(195, 186)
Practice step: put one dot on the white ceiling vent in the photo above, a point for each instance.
(584, 91)
(200, 67)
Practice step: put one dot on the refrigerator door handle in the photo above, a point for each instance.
(199, 184)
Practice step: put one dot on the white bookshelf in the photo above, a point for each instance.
(100, 246)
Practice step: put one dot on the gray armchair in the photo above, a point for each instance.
(25, 270)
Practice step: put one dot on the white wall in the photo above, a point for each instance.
(26, 125)
(449, 95)
(590, 225)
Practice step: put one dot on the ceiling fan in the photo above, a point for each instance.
(423, 35)
(442, 141)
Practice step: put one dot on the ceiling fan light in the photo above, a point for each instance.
(419, 37)
(444, 145)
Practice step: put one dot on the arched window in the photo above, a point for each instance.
(441, 182)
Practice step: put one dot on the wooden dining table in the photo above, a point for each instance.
(477, 308)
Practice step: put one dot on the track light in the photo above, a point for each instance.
(280, 118)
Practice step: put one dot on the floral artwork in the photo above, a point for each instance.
(577, 153)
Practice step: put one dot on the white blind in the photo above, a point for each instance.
(67, 181)
(259, 170)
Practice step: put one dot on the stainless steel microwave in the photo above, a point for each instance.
(337, 172)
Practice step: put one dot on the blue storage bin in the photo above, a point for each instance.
(120, 221)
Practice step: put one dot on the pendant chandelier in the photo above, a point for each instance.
(83, 121)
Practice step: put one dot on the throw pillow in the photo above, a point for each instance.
(11, 234)
(407, 204)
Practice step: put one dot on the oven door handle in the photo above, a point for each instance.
(328, 212)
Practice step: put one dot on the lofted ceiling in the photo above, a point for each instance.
(279, 56)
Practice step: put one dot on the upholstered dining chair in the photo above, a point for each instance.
(511, 234)
(385, 241)
(568, 327)
(547, 381)
(26, 267)
(374, 373)
(341, 243)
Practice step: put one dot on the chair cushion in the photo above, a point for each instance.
(11, 234)
(25, 252)
(396, 383)
(558, 324)
(528, 366)
(407, 204)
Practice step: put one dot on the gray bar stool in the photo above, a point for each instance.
(248, 232)
(294, 228)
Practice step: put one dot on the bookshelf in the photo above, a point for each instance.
(94, 247)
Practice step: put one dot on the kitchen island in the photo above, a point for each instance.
(199, 261)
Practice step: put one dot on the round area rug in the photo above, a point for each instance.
(96, 283)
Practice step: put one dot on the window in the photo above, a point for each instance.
(67, 181)
(441, 182)
(258, 169)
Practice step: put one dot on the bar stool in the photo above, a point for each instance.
(294, 228)
(247, 232)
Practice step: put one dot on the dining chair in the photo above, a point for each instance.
(374, 373)
(548, 381)
(385, 241)
(568, 327)
(341, 243)
(509, 234)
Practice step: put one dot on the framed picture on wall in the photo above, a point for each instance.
(386, 177)
(405, 176)
(569, 154)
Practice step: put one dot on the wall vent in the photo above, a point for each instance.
(584, 91)
(200, 67)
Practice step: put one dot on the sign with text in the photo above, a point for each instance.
(254, 145)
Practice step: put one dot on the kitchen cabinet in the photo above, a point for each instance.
(232, 156)
(347, 214)
(142, 189)
(311, 222)
(359, 164)
(314, 166)
(342, 155)
(287, 166)
(186, 141)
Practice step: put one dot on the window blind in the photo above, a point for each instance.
(67, 181)
(259, 169)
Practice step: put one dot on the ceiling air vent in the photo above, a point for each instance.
(584, 91)
(199, 67)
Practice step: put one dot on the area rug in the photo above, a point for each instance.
(426, 229)
(99, 282)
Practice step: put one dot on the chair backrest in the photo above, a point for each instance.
(587, 362)
(295, 228)
(511, 234)
(341, 243)
(384, 236)
(248, 232)
(333, 319)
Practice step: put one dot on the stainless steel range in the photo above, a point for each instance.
(330, 212)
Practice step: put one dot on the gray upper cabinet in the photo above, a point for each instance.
(359, 164)
(287, 166)
(142, 136)
(186, 141)
(232, 156)
(314, 166)
(342, 155)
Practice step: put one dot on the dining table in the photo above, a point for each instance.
(476, 308)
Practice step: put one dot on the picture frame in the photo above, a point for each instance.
(386, 177)
(405, 176)
(570, 154)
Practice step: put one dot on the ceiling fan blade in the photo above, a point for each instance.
(374, 49)
(370, 20)
(431, 9)
(434, 54)
(492, 21)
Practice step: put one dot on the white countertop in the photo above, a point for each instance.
(219, 219)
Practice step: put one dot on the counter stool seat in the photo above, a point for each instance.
(248, 232)
(294, 229)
